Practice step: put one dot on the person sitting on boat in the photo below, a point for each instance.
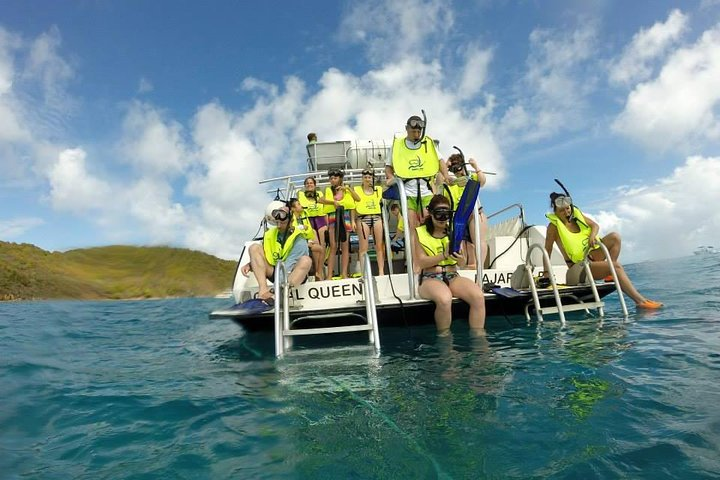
(576, 235)
(368, 198)
(415, 160)
(459, 175)
(439, 280)
(301, 221)
(340, 220)
(315, 211)
(280, 242)
(397, 242)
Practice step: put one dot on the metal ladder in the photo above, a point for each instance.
(284, 332)
(559, 308)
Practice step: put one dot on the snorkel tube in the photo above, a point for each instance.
(422, 132)
(462, 156)
(567, 194)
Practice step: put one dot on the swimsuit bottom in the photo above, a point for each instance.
(442, 276)
(318, 222)
(370, 220)
(346, 220)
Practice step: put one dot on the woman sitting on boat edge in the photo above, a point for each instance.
(439, 279)
(576, 236)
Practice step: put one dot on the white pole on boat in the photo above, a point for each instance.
(386, 235)
(408, 238)
(478, 243)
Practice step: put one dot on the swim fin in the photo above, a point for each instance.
(464, 210)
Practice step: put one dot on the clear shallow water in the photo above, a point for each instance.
(152, 389)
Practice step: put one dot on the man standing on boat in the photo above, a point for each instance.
(280, 242)
(414, 159)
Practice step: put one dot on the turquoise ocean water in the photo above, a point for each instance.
(153, 389)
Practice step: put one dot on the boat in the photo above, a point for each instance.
(369, 301)
(706, 250)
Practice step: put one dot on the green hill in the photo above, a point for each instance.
(28, 272)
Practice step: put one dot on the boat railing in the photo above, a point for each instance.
(347, 154)
(284, 332)
(559, 308)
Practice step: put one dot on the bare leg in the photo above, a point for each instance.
(261, 269)
(439, 293)
(300, 271)
(363, 237)
(333, 250)
(601, 269)
(345, 257)
(468, 291)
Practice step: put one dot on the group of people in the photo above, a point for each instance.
(433, 188)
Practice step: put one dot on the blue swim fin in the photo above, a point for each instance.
(465, 207)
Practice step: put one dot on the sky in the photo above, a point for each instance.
(151, 123)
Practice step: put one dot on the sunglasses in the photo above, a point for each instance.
(562, 202)
(416, 124)
(441, 214)
(367, 173)
(280, 215)
(335, 173)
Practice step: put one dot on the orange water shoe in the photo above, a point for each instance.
(609, 279)
(649, 304)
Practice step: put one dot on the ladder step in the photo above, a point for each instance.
(314, 331)
(572, 307)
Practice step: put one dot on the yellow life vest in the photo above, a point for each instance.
(454, 192)
(434, 246)
(272, 248)
(347, 201)
(307, 230)
(419, 163)
(312, 207)
(573, 243)
(368, 204)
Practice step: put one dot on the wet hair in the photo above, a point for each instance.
(291, 202)
(455, 158)
(310, 178)
(437, 201)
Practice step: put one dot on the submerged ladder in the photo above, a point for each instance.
(559, 308)
(284, 332)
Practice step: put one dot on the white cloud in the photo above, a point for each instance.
(15, 227)
(670, 217)
(73, 188)
(553, 94)
(475, 71)
(145, 86)
(678, 109)
(393, 29)
(634, 63)
(152, 143)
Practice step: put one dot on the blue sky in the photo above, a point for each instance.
(129, 122)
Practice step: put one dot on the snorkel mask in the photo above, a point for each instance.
(441, 214)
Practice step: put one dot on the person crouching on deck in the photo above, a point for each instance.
(576, 235)
(439, 280)
(281, 242)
